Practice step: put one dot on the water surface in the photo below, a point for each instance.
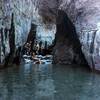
(48, 82)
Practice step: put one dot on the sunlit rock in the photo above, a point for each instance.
(45, 33)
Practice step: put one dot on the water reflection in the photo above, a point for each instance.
(48, 82)
(44, 84)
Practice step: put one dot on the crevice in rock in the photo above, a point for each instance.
(9, 59)
(92, 50)
(12, 36)
(2, 40)
(18, 55)
(32, 35)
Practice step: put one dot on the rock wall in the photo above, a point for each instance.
(88, 29)
(87, 25)
(21, 23)
(86, 18)
(25, 12)
(84, 14)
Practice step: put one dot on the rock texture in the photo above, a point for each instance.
(21, 21)
(85, 17)
(84, 14)
(25, 12)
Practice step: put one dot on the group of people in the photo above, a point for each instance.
(35, 48)
(27, 48)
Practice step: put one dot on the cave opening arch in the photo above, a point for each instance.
(67, 49)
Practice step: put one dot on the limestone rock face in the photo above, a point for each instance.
(86, 17)
(25, 12)
(88, 29)
(22, 11)
(84, 14)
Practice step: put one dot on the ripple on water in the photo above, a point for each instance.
(48, 82)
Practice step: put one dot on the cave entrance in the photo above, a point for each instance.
(35, 50)
(68, 47)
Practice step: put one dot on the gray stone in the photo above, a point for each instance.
(84, 14)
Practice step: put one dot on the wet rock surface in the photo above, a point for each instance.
(21, 24)
(84, 14)
(25, 13)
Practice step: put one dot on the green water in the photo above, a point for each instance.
(48, 82)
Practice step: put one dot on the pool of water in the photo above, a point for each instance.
(48, 82)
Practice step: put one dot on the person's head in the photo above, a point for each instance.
(30, 42)
(27, 43)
